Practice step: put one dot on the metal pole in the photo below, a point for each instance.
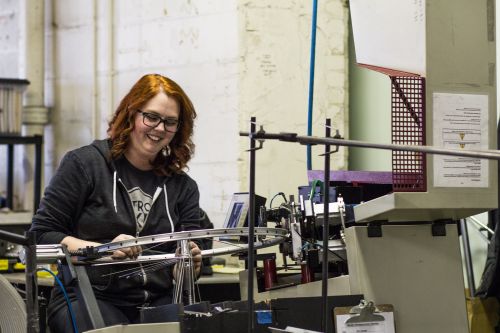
(38, 172)
(32, 321)
(86, 296)
(468, 257)
(13, 238)
(251, 231)
(326, 232)
(10, 176)
(293, 137)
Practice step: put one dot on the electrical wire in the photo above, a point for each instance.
(332, 252)
(317, 244)
(19, 290)
(68, 301)
(311, 80)
(315, 183)
(279, 193)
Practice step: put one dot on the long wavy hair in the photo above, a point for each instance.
(122, 123)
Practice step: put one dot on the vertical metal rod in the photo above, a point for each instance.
(31, 285)
(10, 176)
(326, 232)
(468, 258)
(38, 172)
(87, 298)
(251, 231)
(185, 265)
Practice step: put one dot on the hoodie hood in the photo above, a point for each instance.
(104, 149)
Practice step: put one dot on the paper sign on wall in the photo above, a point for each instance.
(460, 121)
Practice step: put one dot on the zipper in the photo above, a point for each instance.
(128, 201)
(144, 275)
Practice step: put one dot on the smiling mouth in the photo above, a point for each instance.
(154, 137)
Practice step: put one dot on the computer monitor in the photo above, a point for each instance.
(237, 212)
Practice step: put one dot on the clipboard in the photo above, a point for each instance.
(365, 318)
(290, 329)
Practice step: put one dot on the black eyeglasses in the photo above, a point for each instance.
(152, 120)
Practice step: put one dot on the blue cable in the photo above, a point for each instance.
(70, 308)
(311, 80)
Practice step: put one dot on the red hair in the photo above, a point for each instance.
(122, 123)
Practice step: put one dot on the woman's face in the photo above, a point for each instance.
(147, 141)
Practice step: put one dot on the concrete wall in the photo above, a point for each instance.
(10, 53)
(275, 51)
(9, 38)
(235, 59)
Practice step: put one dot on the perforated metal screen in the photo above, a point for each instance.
(408, 128)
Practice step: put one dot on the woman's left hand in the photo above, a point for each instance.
(196, 255)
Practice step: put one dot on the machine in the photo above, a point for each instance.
(403, 248)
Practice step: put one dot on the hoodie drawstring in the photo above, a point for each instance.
(168, 211)
(114, 191)
(155, 196)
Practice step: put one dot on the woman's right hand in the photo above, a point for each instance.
(131, 252)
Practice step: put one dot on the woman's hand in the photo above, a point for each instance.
(195, 254)
(131, 252)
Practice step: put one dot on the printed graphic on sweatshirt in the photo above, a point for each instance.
(142, 204)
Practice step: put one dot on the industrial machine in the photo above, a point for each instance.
(403, 248)
(440, 57)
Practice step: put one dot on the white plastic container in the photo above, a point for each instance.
(11, 105)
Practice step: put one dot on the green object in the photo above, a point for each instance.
(315, 183)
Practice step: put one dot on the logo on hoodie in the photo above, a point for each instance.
(141, 202)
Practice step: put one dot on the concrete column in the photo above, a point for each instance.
(35, 113)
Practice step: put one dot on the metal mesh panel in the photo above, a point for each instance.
(408, 128)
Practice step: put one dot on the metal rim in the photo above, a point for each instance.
(50, 252)
(204, 253)
(189, 235)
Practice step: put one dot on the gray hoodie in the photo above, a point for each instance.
(85, 199)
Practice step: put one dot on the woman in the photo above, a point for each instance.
(130, 185)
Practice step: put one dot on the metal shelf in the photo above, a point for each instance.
(11, 140)
(15, 218)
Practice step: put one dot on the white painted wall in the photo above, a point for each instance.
(235, 59)
(9, 59)
(274, 83)
(9, 38)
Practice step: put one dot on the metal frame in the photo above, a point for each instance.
(409, 172)
(261, 136)
(293, 137)
(29, 248)
(10, 141)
